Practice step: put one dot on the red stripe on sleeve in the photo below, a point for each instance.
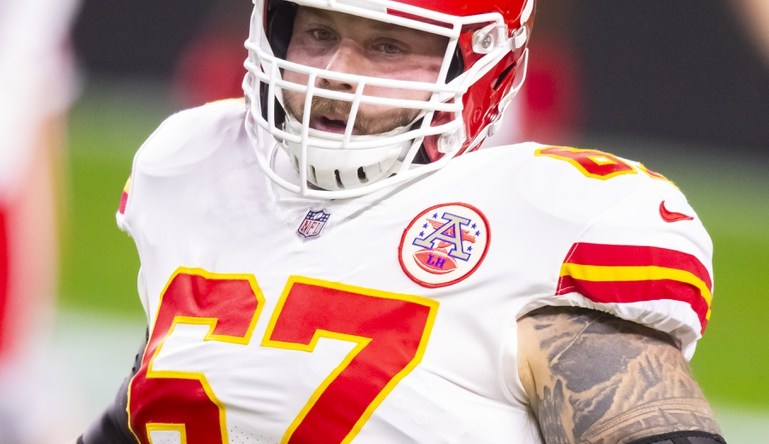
(4, 278)
(639, 291)
(637, 256)
(124, 196)
(607, 276)
(123, 201)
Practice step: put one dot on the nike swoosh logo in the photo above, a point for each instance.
(672, 216)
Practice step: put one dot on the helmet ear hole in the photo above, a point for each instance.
(503, 76)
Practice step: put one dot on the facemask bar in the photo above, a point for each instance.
(443, 99)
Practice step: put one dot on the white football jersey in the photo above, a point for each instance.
(389, 318)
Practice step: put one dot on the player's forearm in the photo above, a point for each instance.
(653, 419)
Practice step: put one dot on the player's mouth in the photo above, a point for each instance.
(330, 124)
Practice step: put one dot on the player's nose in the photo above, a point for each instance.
(347, 58)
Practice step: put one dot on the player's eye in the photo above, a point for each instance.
(321, 34)
(389, 48)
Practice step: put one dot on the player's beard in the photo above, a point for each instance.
(370, 120)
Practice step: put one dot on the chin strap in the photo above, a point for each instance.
(682, 437)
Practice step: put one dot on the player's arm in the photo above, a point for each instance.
(594, 378)
(112, 426)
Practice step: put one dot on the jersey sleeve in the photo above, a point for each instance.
(648, 259)
(166, 140)
(181, 145)
(120, 215)
(166, 183)
(644, 257)
(138, 191)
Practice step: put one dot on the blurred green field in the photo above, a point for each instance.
(98, 261)
(99, 264)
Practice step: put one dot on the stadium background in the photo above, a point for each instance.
(678, 85)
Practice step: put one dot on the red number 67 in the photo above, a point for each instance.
(390, 332)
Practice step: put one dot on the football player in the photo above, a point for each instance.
(37, 85)
(334, 261)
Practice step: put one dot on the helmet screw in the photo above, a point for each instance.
(486, 42)
(448, 142)
(484, 39)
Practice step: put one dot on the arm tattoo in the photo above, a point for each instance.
(600, 379)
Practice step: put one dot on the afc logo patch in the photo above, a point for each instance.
(444, 244)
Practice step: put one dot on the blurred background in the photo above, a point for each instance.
(682, 86)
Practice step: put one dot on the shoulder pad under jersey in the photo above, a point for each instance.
(642, 253)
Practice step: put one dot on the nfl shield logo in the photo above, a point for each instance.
(313, 223)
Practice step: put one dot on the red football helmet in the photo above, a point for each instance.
(483, 68)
